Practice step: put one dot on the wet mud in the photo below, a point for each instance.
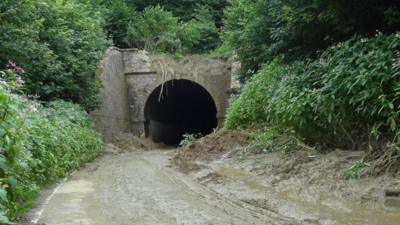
(305, 186)
(141, 188)
(214, 181)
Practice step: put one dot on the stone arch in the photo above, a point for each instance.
(130, 76)
(176, 107)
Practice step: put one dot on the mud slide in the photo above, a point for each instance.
(306, 186)
(140, 188)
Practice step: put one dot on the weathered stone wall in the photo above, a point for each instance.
(213, 74)
(130, 76)
(112, 117)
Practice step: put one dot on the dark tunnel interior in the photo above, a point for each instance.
(178, 107)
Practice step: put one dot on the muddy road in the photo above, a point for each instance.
(141, 188)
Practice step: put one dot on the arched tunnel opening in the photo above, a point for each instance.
(179, 107)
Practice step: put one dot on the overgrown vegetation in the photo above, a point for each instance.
(169, 27)
(38, 145)
(326, 72)
(355, 171)
(185, 9)
(58, 43)
(50, 50)
(346, 98)
(319, 73)
(258, 30)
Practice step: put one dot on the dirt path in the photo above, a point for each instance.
(308, 193)
(140, 188)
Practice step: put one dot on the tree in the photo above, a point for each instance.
(119, 19)
(185, 9)
(59, 44)
(261, 30)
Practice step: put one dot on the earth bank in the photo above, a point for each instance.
(305, 185)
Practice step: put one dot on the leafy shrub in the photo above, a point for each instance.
(59, 43)
(184, 9)
(255, 98)
(158, 30)
(356, 88)
(355, 171)
(38, 145)
(155, 30)
(199, 34)
(119, 19)
(339, 100)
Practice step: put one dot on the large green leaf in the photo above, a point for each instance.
(3, 195)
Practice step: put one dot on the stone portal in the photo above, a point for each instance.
(161, 97)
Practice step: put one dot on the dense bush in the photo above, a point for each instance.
(156, 29)
(347, 96)
(199, 34)
(185, 9)
(119, 19)
(205, 16)
(58, 43)
(38, 145)
(255, 97)
(258, 30)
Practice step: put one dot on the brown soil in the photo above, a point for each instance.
(208, 148)
(384, 160)
(305, 185)
(139, 188)
(227, 184)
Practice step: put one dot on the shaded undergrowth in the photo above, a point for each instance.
(38, 145)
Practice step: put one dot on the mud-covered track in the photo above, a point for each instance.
(139, 188)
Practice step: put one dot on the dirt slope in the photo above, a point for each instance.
(307, 186)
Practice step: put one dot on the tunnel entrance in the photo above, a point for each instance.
(178, 107)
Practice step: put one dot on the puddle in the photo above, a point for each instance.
(314, 205)
(242, 176)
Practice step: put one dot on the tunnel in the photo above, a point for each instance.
(179, 107)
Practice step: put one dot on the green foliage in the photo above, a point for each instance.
(185, 9)
(199, 34)
(255, 98)
(355, 171)
(189, 138)
(119, 20)
(156, 29)
(59, 44)
(343, 99)
(38, 145)
(258, 30)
